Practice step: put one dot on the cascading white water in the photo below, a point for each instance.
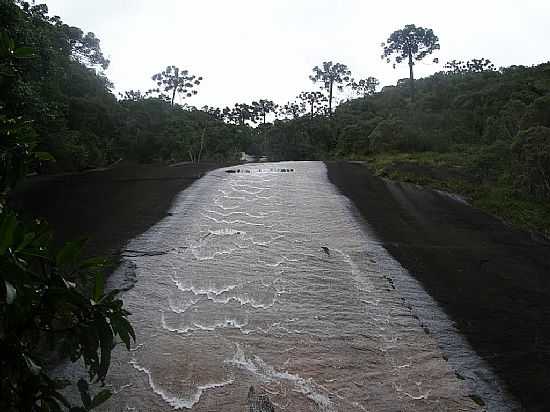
(267, 278)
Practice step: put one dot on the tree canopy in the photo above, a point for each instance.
(410, 43)
(175, 80)
(330, 74)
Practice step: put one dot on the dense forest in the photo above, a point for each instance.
(54, 84)
(473, 129)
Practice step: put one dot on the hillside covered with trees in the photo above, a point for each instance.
(471, 129)
(53, 83)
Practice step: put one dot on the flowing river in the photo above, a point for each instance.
(267, 278)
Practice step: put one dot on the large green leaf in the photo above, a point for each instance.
(7, 230)
(70, 253)
(11, 293)
(33, 367)
(83, 388)
(99, 286)
(24, 53)
(122, 328)
(44, 156)
(27, 239)
(106, 345)
(101, 397)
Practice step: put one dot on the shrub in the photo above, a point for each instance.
(537, 114)
(532, 161)
(44, 302)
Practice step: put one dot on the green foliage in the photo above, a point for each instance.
(470, 66)
(17, 147)
(45, 305)
(291, 110)
(365, 87)
(262, 108)
(42, 307)
(531, 151)
(55, 86)
(410, 42)
(487, 129)
(46, 80)
(537, 114)
(495, 129)
(481, 174)
(313, 101)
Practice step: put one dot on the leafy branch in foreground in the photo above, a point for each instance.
(43, 309)
(46, 305)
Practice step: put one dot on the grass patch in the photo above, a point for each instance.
(460, 173)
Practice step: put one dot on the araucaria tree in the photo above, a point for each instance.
(292, 110)
(239, 114)
(314, 100)
(365, 87)
(174, 80)
(331, 74)
(262, 108)
(410, 43)
(471, 66)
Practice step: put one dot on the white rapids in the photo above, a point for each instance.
(268, 279)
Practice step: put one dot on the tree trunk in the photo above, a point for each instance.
(330, 99)
(202, 144)
(312, 109)
(411, 75)
(173, 96)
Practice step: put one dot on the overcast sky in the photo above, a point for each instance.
(252, 49)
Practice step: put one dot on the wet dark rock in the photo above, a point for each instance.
(491, 279)
(127, 276)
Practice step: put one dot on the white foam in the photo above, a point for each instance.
(180, 307)
(261, 369)
(196, 251)
(200, 291)
(253, 216)
(248, 192)
(231, 222)
(170, 329)
(174, 401)
(225, 232)
(215, 295)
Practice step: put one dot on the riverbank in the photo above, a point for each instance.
(109, 207)
(473, 174)
(491, 279)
